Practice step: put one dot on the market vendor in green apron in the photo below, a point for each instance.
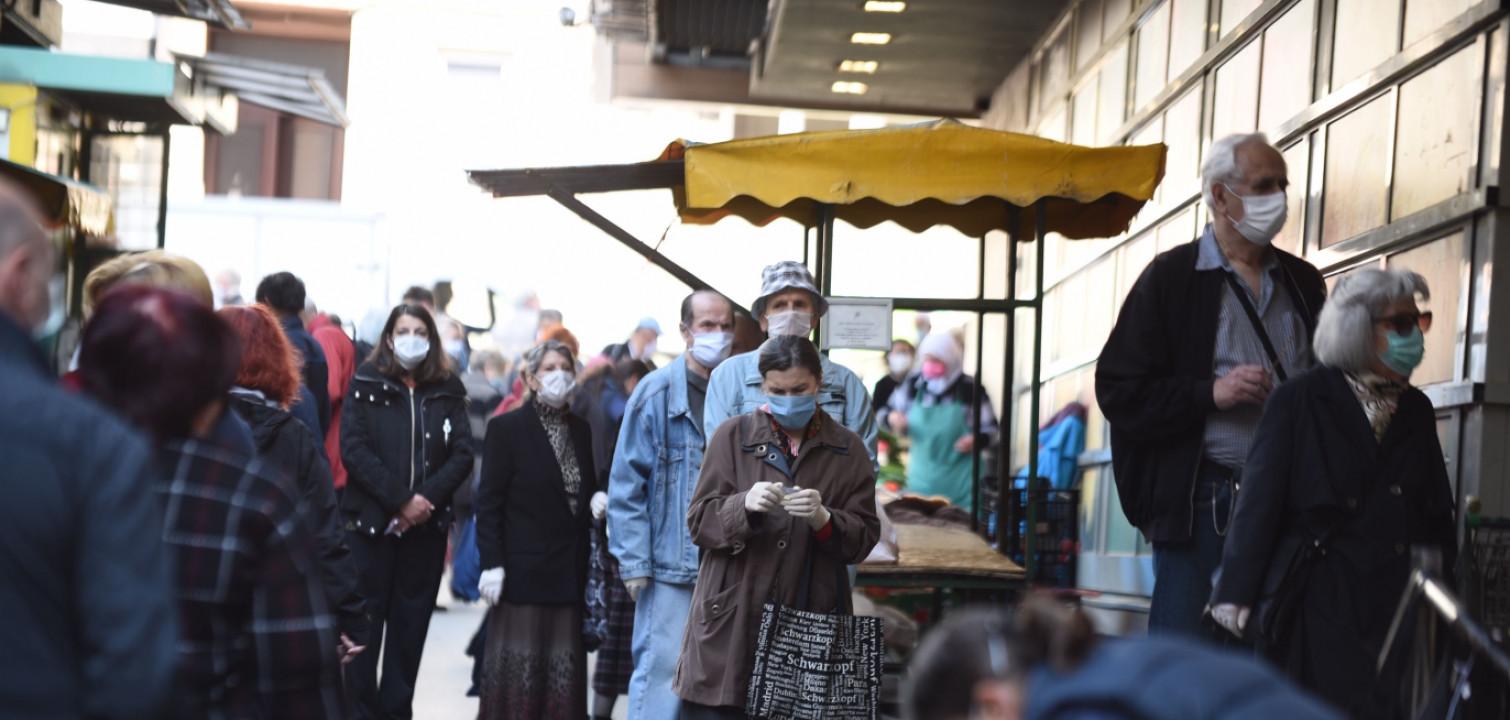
(932, 407)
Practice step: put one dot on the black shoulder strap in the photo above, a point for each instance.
(1258, 325)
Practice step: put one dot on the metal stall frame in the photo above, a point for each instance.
(563, 185)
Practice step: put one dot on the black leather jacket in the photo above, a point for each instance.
(397, 441)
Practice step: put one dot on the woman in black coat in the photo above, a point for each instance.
(267, 383)
(535, 503)
(407, 445)
(1346, 463)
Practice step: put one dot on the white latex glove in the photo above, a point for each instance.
(808, 505)
(599, 505)
(763, 497)
(1232, 617)
(490, 584)
(635, 586)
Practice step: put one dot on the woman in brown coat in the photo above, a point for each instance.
(776, 484)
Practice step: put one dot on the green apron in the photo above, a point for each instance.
(934, 466)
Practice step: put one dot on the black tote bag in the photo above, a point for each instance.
(811, 665)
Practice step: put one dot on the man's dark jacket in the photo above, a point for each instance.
(88, 619)
(315, 372)
(284, 443)
(1154, 380)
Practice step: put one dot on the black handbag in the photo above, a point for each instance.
(1283, 591)
(811, 665)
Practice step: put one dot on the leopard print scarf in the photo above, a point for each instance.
(559, 433)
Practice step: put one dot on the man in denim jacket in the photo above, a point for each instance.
(789, 304)
(655, 470)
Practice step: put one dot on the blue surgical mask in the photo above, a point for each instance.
(1404, 352)
(794, 412)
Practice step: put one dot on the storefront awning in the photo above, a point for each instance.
(65, 202)
(293, 89)
(918, 176)
(215, 12)
(124, 89)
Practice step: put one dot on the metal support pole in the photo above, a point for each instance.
(826, 247)
(1009, 384)
(1041, 221)
(162, 192)
(807, 241)
(980, 335)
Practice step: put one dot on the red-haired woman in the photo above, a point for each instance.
(267, 383)
(407, 443)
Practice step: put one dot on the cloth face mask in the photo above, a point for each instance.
(1263, 216)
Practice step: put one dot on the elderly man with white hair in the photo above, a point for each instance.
(1205, 334)
(1344, 479)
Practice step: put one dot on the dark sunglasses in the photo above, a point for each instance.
(1403, 322)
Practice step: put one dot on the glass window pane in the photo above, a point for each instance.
(1182, 130)
(1187, 35)
(1083, 124)
(1367, 35)
(1087, 32)
(1179, 230)
(1286, 86)
(1055, 70)
(1113, 91)
(1121, 536)
(1116, 13)
(1298, 162)
(1052, 126)
(1153, 56)
(1233, 12)
(1090, 479)
(1100, 288)
(1441, 262)
(1095, 421)
(1434, 150)
(1131, 260)
(1236, 106)
(1357, 158)
(1149, 134)
(1424, 16)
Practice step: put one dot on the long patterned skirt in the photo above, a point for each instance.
(536, 667)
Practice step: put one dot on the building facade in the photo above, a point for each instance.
(1390, 114)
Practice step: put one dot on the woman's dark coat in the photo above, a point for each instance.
(1315, 468)
(397, 441)
(524, 523)
(286, 444)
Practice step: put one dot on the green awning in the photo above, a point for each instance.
(65, 202)
(118, 88)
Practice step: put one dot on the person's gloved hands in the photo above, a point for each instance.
(808, 505)
(635, 586)
(490, 584)
(763, 497)
(1232, 617)
(599, 505)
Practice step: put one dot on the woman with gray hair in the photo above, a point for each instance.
(1345, 477)
(538, 491)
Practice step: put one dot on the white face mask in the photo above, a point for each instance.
(899, 363)
(1263, 216)
(555, 387)
(711, 348)
(791, 322)
(410, 350)
(647, 352)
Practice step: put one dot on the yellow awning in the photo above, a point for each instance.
(937, 173)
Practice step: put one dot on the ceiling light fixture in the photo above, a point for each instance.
(868, 67)
(870, 38)
(884, 6)
(844, 87)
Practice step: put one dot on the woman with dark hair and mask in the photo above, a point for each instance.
(1043, 661)
(407, 446)
(777, 484)
(534, 513)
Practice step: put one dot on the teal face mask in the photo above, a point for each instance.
(1404, 352)
(794, 412)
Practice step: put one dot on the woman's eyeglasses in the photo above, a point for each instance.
(1403, 322)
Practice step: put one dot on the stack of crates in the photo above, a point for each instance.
(1055, 531)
